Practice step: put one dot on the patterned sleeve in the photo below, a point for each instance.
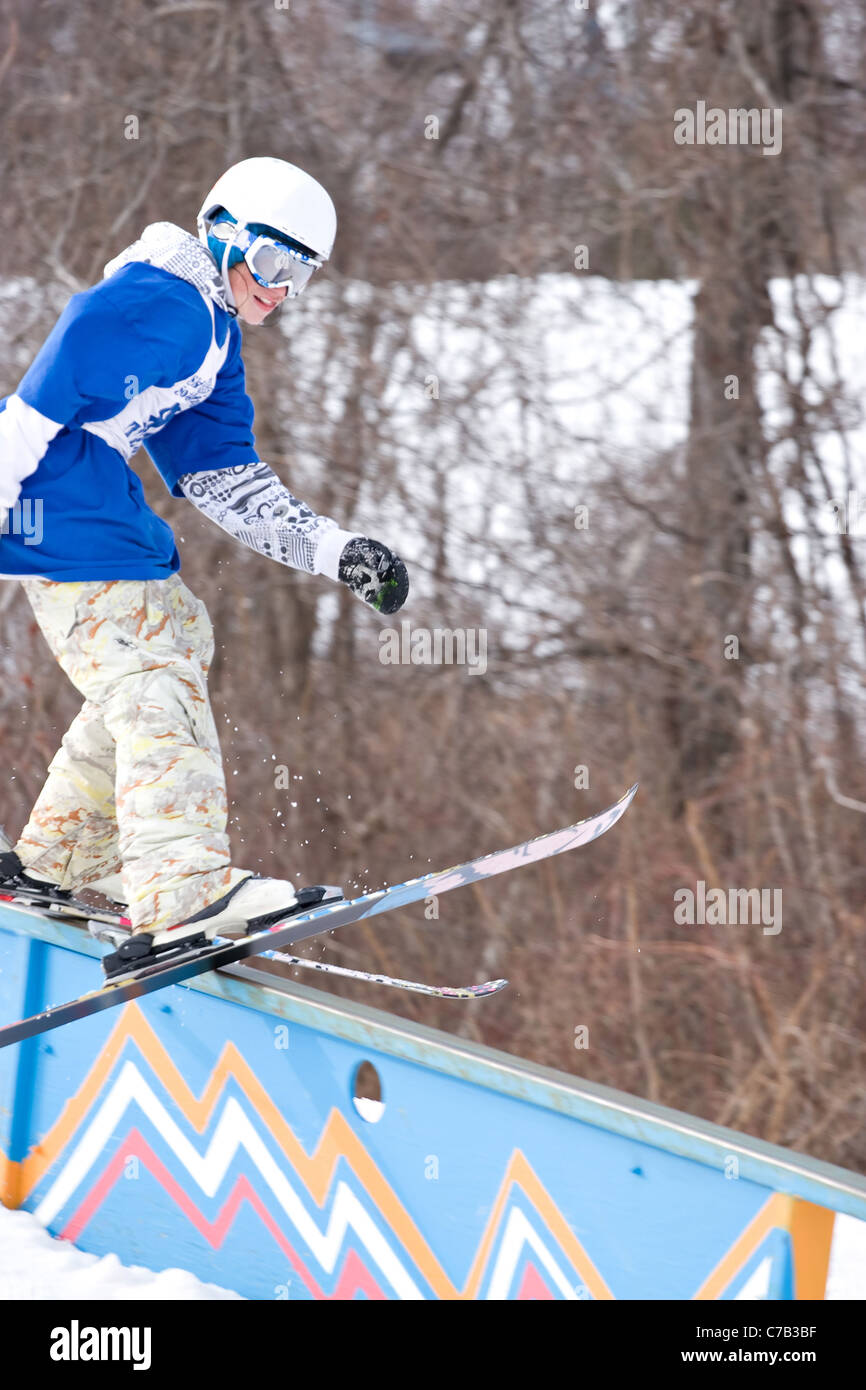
(252, 505)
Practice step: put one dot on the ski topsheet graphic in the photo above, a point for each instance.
(325, 919)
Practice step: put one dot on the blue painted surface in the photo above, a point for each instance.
(406, 1206)
(14, 952)
(26, 1087)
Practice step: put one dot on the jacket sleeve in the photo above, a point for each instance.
(24, 436)
(257, 509)
(82, 372)
(216, 434)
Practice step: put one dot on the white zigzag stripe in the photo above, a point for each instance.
(758, 1283)
(519, 1232)
(232, 1132)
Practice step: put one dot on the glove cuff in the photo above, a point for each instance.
(329, 550)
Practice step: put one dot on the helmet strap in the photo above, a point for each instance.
(224, 272)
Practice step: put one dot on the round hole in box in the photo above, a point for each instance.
(367, 1093)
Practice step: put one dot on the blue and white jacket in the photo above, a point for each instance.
(149, 355)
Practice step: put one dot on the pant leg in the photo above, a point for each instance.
(140, 650)
(71, 836)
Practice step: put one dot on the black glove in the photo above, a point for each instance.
(375, 574)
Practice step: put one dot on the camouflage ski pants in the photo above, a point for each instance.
(137, 784)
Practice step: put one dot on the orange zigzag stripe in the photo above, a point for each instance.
(316, 1170)
(776, 1212)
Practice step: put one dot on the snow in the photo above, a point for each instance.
(846, 1278)
(35, 1265)
(369, 1110)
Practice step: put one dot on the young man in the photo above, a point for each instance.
(152, 354)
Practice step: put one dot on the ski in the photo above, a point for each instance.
(68, 912)
(112, 928)
(117, 930)
(321, 919)
(439, 991)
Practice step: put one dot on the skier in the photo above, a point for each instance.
(135, 800)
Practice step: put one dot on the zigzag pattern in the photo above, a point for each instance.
(381, 1225)
(354, 1277)
(361, 1238)
(207, 1171)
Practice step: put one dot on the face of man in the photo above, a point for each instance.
(253, 301)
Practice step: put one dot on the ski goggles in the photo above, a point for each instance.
(274, 264)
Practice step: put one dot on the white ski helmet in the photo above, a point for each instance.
(276, 194)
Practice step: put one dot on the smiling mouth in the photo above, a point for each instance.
(265, 303)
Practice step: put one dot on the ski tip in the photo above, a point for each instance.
(625, 800)
(478, 991)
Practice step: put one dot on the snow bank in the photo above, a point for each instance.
(34, 1265)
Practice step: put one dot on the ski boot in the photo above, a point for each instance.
(16, 885)
(252, 905)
